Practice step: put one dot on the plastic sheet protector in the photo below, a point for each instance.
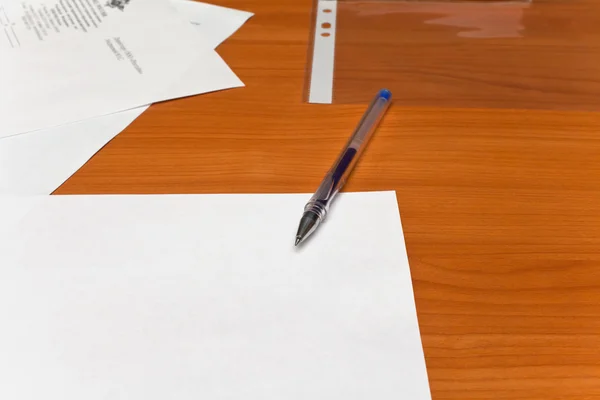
(471, 54)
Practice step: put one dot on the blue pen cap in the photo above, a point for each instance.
(386, 94)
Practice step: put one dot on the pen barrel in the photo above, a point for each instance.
(320, 201)
(336, 177)
(365, 129)
(317, 207)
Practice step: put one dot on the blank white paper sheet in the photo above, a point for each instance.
(205, 297)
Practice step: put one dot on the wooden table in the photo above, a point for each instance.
(501, 209)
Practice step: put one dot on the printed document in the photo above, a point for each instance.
(133, 55)
(39, 162)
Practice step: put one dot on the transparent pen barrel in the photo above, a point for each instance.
(336, 177)
(367, 125)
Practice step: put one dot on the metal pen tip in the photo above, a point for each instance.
(308, 224)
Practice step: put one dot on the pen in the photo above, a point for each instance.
(317, 207)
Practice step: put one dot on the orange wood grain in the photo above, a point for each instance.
(540, 55)
(500, 208)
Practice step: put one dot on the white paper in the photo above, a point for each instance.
(12, 211)
(215, 22)
(39, 162)
(134, 58)
(205, 297)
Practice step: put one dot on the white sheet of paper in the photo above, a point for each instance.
(13, 209)
(205, 297)
(215, 22)
(39, 162)
(133, 58)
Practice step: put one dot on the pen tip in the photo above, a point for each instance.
(298, 240)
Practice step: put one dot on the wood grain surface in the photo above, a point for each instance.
(511, 54)
(500, 208)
